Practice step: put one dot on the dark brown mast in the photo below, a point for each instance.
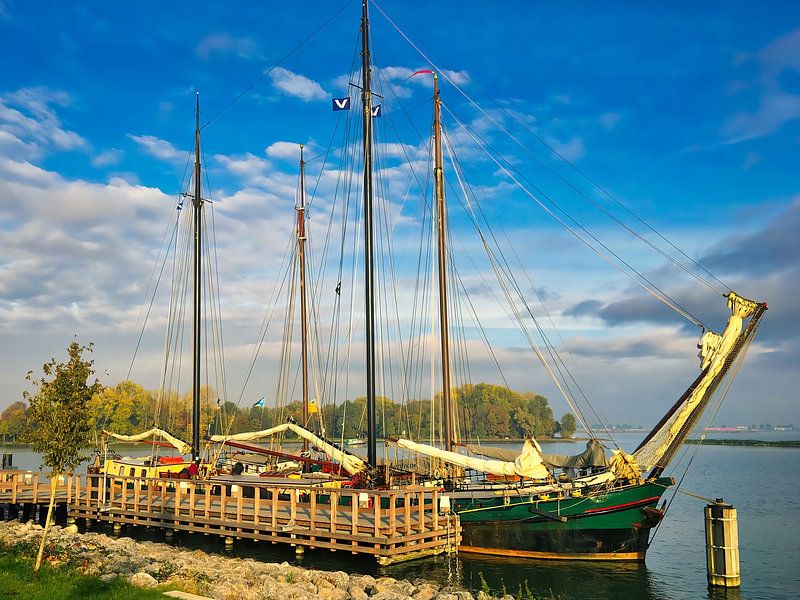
(197, 208)
(441, 232)
(369, 266)
(301, 253)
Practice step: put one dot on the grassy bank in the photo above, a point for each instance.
(62, 582)
(754, 443)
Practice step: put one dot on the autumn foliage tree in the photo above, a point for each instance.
(58, 419)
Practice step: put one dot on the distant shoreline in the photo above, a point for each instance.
(752, 443)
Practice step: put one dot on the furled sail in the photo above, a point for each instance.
(350, 462)
(154, 433)
(593, 456)
(528, 464)
(717, 353)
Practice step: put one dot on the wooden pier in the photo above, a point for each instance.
(389, 525)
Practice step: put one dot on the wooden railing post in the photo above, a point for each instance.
(435, 499)
(376, 507)
(334, 504)
(421, 510)
(392, 513)
(313, 509)
(407, 511)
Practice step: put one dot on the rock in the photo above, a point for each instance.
(339, 579)
(108, 577)
(461, 595)
(389, 596)
(357, 592)
(425, 591)
(447, 596)
(384, 584)
(142, 579)
(71, 529)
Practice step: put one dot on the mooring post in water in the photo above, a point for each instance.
(722, 545)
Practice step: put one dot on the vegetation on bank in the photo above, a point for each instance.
(757, 443)
(59, 580)
(63, 582)
(484, 411)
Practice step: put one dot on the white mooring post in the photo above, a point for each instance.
(722, 545)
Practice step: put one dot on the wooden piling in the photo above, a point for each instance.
(722, 545)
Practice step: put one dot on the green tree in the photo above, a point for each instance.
(58, 419)
(568, 425)
(12, 420)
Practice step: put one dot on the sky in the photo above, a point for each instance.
(687, 114)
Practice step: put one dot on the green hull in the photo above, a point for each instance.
(609, 525)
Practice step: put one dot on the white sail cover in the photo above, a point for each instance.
(154, 433)
(715, 349)
(528, 464)
(350, 463)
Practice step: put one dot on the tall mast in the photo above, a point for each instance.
(441, 231)
(366, 102)
(197, 208)
(301, 253)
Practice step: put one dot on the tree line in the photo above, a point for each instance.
(484, 411)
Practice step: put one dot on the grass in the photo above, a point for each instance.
(17, 580)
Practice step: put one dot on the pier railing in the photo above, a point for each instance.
(27, 487)
(391, 525)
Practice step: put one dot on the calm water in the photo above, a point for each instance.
(759, 482)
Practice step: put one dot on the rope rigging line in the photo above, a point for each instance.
(624, 267)
(592, 181)
(499, 272)
(285, 57)
(551, 349)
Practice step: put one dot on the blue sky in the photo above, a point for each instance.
(688, 113)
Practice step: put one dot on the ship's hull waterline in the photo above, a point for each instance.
(612, 525)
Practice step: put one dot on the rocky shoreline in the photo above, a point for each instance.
(149, 564)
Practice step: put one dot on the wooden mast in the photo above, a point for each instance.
(197, 208)
(301, 253)
(441, 231)
(369, 281)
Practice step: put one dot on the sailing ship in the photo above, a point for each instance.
(514, 504)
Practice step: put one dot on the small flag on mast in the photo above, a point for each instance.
(260, 403)
(341, 103)
(376, 111)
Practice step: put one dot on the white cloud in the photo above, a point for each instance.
(299, 86)
(224, 43)
(572, 149)
(29, 122)
(288, 150)
(107, 158)
(777, 106)
(158, 148)
(458, 78)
